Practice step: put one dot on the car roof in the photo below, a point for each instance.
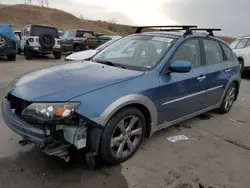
(244, 37)
(42, 26)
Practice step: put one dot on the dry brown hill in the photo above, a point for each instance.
(20, 15)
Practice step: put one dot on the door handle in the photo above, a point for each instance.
(200, 78)
(227, 70)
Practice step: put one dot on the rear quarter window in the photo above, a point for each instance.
(242, 43)
(227, 51)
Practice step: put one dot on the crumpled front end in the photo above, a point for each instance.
(52, 137)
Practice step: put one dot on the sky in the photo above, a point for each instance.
(230, 15)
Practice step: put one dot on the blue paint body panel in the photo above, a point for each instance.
(7, 31)
(98, 87)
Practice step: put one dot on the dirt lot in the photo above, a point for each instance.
(216, 155)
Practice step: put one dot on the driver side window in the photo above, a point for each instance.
(188, 51)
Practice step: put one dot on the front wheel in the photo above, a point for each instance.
(11, 57)
(228, 100)
(122, 135)
(28, 54)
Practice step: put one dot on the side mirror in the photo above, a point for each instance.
(181, 66)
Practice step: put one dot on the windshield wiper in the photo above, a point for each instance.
(111, 64)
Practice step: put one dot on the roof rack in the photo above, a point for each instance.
(210, 31)
(187, 28)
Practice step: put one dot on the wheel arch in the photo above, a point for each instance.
(143, 103)
(237, 84)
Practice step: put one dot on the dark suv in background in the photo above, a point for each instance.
(38, 39)
(76, 40)
(7, 42)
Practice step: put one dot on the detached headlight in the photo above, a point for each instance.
(50, 111)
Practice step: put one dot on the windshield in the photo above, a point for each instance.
(136, 52)
(40, 30)
(106, 44)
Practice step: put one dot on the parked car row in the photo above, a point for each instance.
(38, 39)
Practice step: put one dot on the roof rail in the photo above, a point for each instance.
(179, 27)
(208, 30)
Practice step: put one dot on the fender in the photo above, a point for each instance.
(125, 101)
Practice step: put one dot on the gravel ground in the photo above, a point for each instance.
(216, 155)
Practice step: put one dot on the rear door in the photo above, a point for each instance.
(182, 94)
(218, 70)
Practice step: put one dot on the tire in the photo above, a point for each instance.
(19, 51)
(3, 42)
(28, 54)
(77, 48)
(57, 55)
(224, 108)
(11, 57)
(47, 41)
(110, 153)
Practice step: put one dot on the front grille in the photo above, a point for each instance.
(17, 104)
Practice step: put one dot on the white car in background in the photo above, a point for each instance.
(87, 54)
(241, 47)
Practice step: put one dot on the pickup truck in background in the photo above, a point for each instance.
(76, 40)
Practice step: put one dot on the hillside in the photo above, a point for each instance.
(20, 15)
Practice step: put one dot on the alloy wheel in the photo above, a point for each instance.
(2, 41)
(230, 98)
(126, 137)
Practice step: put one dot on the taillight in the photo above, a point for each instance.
(86, 42)
(59, 42)
(31, 40)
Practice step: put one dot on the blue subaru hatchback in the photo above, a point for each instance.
(135, 87)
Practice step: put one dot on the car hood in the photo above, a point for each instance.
(64, 82)
(81, 55)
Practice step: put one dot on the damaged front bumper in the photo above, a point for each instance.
(56, 142)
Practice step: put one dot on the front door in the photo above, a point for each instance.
(182, 94)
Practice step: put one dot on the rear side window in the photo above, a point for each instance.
(248, 44)
(213, 52)
(227, 51)
(188, 51)
(242, 43)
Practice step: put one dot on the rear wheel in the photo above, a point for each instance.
(228, 100)
(28, 54)
(57, 55)
(122, 135)
(11, 57)
(77, 48)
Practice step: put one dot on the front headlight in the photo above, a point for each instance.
(50, 111)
